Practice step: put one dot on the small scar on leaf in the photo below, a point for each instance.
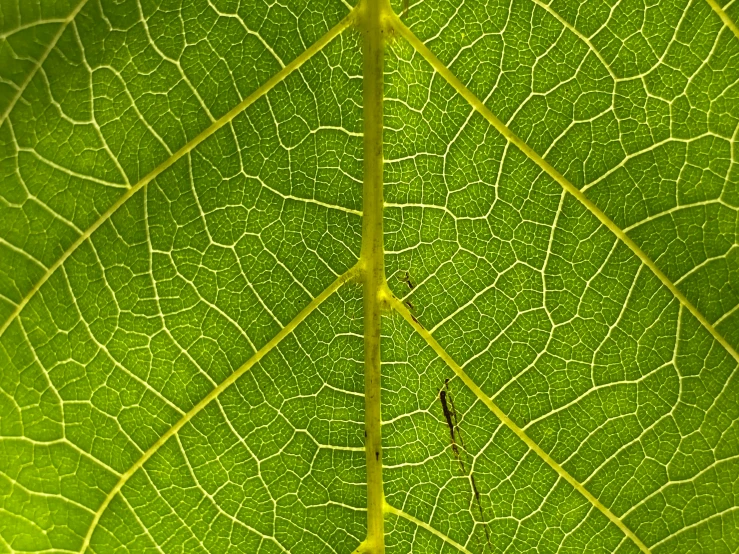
(407, 280)
(411, 308)
(377, 456)
(455, 434)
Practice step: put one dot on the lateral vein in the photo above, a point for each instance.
(186, 149)
(483, 110)
(213, 394)
(724, 17)
(400, 513)
(508, 422)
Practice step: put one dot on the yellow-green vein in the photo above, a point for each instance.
(213, 394)
(508, 422)
(478, 105)
(423, 525)
(374, 17)
(169, 162)
(724, 17)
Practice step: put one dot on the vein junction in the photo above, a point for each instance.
(376, 24)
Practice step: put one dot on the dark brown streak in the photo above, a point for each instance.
(479, 508)
(407, 280)
(448, 416)
(455, 432)
(454, 412)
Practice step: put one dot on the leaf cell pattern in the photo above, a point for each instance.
(186, 242)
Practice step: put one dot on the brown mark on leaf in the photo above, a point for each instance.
(407, 280)
(411, 308)
(455, 434)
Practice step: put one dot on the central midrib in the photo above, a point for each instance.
(377, 23)
(374, 19)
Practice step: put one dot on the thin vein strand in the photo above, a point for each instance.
(41, 60)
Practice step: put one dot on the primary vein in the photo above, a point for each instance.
(373, 18)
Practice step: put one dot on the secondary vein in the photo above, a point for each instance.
(480, 107)
(508, 422)
(422, 524)
(724, 17)
(213, 394)
(186, 149)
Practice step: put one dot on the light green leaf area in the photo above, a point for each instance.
(635, 104)
(231, 320)
(26, 31)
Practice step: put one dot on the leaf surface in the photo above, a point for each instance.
(429, 277)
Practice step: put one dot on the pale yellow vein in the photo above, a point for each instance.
(520, 433)
(187, 148)
(423, 525)
(213, 394)
(724, 17)
(478, 105)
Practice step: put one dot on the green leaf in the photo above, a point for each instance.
(292, 277)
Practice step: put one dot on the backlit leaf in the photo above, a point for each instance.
(405, 277)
